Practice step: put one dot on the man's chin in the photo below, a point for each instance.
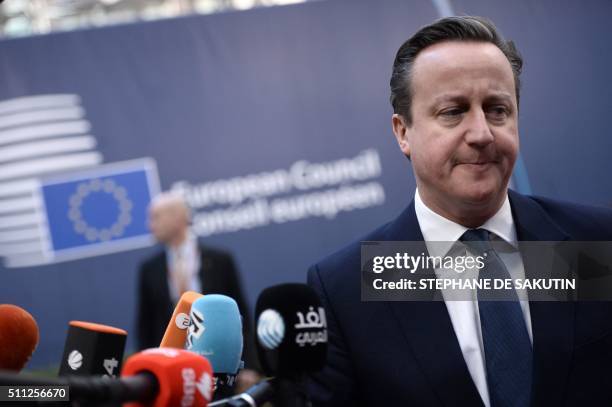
(482, 197)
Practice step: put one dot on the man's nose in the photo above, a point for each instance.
(478, 131)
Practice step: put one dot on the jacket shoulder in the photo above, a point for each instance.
(581, 222)
(350, 253)
(214, 253)
(153, 261)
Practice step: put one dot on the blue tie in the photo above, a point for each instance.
(508, 353)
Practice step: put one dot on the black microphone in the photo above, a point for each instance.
(291, 331)
(291, 342)
(92, 350)
(291, 339)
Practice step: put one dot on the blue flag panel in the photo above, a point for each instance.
(103, 210)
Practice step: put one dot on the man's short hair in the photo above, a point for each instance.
(460, 28)
(172, 200)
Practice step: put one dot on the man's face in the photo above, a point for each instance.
(163, 222)
(463, 139)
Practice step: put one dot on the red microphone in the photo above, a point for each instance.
(183, 378)
(18, 337)
(152, 378)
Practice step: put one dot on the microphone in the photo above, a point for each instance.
(215, 332)
(176, 332)
(153, 378)
(183, 378)
(291, 342)
(18, 337)
(291, 330)
(255, 395)
(92, 350)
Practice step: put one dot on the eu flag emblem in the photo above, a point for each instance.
(99, 210)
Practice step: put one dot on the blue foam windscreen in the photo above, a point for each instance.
(215, 332)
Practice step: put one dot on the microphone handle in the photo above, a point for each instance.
(224, 385)
(254, 396)
(141, 387)
(290, 393)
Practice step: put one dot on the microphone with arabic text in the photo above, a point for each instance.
(159, 377)
(291, 342)
(176, 331)
(215, 332)
(291, 339)
(291, 330)
(92, 350)
(18, 337)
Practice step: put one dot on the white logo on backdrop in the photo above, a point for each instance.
(38, 135)
(49, 134)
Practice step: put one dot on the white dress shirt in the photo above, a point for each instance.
(189, 252)
(464, 315)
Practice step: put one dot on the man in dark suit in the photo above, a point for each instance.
(184, 265)
(455, 92)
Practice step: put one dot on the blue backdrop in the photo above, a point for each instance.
(228, 104)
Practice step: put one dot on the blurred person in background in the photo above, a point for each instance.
(185, 264)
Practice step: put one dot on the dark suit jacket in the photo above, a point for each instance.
(218, 275)
(407, 354)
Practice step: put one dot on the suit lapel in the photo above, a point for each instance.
(552, 322)
(201, 269)
(430, 334)
(207, 275)
(428, 330)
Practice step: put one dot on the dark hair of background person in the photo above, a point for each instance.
(459, 28)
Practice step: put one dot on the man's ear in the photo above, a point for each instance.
(400, 129)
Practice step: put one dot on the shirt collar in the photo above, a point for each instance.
(436, 228)
(186, 248)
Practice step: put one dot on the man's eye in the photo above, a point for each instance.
(498, 112)
(452, 112)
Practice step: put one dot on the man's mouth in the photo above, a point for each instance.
(480, 162)
(478, 165)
